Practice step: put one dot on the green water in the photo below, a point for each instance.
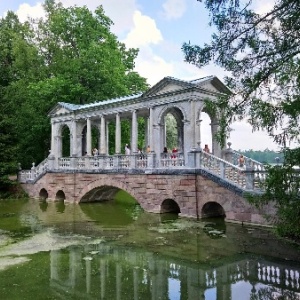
(114, 250)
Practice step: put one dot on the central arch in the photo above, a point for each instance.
(175, 130)
(103, 189)
(101, 193)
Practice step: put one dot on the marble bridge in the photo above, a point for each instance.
(190, 182)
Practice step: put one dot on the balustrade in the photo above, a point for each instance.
(249, 178)
(169, 160)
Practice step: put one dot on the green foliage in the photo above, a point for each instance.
(261, 55)
(171, 132)
(266, 157)
(283, 189)
(69, 56)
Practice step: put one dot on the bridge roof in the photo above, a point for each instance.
(158, 89)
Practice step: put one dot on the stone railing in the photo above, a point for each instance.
(249, 162)
(170, 160)
(35, 172)
(248, 178)
(104, 162)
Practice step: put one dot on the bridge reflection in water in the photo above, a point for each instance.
(101, 271)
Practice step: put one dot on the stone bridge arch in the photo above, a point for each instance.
(109, 187)
(190, 192)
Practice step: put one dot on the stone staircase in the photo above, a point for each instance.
(248, 178)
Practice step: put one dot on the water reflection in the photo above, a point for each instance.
(109, 251)
(43, 205)
(122, 273)
(60, 206)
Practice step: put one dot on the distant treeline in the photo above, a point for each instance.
(266, 156)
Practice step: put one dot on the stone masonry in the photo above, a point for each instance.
(191, 192)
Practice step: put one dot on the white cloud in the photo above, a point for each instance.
(120, 11)
(174, 9)
(152, 66)
(262, 7)
(145, 31)
(25, 10)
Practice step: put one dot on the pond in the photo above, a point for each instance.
(114, 250)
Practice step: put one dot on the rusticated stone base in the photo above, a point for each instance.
(191, 192)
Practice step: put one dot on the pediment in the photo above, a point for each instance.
(167, 85)
(61, 109)
(170, 84)
(212, 84)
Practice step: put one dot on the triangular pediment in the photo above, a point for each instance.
(212, 84)
(62, 108)
(170, 84)
(167, 85)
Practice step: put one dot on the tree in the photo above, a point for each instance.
(68, 56)
(12, 34)
(261, 54)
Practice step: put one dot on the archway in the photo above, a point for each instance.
(110, 206)
(65, 141)
(205, 130)
(169, 206)
(43, 195)
(172, 129)
(60, 196)
(212, 209)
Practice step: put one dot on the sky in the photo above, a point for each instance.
(159, 28)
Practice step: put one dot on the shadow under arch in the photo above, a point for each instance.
(92, 191)
(60, 196)
(110, 206)
(169, 206)
(212, 210)
(100, 194)
(43, 195)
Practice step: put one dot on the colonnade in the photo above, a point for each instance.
(185, 100)
(76, 127)
(80, 128)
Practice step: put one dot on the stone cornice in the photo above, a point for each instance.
(139, 103)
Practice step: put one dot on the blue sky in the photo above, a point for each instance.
(159, 28)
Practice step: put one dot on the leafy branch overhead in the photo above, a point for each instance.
(261, 54)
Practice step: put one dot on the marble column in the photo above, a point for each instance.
(134, 132)
(74, 146)
(118, 134)
(193, 124)
(53, 140)
(216, 149)
(107, 137)
(102, 136)
(198, 134)
(88, 137)
(151, 129)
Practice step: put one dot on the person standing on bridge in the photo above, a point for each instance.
(241, 161)
(127, 149)
(206, 149)
(95, 151)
